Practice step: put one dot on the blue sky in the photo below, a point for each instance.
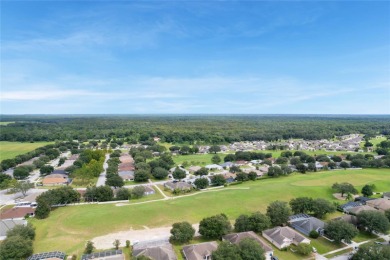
(290, 57)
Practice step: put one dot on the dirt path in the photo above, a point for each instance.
(135, 236)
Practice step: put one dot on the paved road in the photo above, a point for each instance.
(102, 177)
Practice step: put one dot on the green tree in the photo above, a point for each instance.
(21, 173)
(252, 176)
(341, 230)
(182, 232)
(46, 169)
(343, 188)
(26, 232)
(301, 205)
(15, 247)
(387, 214)
(215, 226)
(123, 194)
(321, 207)
(251, 250)
(278, 212)
(372, 251)
(141, 176)
(22, 186)
(178, 174)
(229, 158)
(202, 171)
(227, 251)
(218, 180)
(89, 247)
(201, 183)
(242, 176)
(304, 249)
(367, 190)
(373, 221)
(216, 159)
(114, 180)
(259, 222)
(344, 165)
(116, 244)
(160, 173)
(214, 149)
(137, 192)
(43, 210)
(274, 171)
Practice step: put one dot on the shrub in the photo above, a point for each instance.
(314, 234)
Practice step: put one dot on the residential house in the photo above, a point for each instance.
(200, 251)
(284, 236)
(357, 210)
(56, 179)
(126, 175)
(8, 224)
(240, 163)
(55, 255)
(236, 238)
(348, 218)
(363, 200)
(149, 190)
(230, 177)
(105, 255)
(178, 185)
(258, 172)
(162, 252)
(193, 169)
(386, 195)
(227, 164)
(379, 204)
(17, 213)
(181, 168)
(347, 206)
(213, 167)
(305, 224)
(59, 171)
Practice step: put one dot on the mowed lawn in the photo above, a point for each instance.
(9, 150)
(67, 229)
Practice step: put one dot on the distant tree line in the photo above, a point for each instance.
(189, 129)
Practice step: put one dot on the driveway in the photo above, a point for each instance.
(102, 177)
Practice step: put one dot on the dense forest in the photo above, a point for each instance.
(214, 129)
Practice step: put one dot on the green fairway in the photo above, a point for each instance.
(9, 150)
(68, 228)
(6, 123)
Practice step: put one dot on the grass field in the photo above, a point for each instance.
(68, 228)
(6, 123)
(9, 150)
(204, 159)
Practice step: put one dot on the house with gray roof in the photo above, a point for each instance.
(227, 164)
(282, 237)
(162, 252)
(379, 204)
(357, 210)
(149, 190)
(386, 195)
(126, 175)
(200, 251)
(236, 238)
(305, 224)
(348, 218)
(352, 204)
(8, 224)
(181, 185)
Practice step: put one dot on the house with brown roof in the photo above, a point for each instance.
(126, 175)
(379, 204)
(200, 251)
(357, 210)
(282, 237)
(17, 213)
(193, 169)
(236, 238)
(162, 252)
(55, 179)
(348, 218)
